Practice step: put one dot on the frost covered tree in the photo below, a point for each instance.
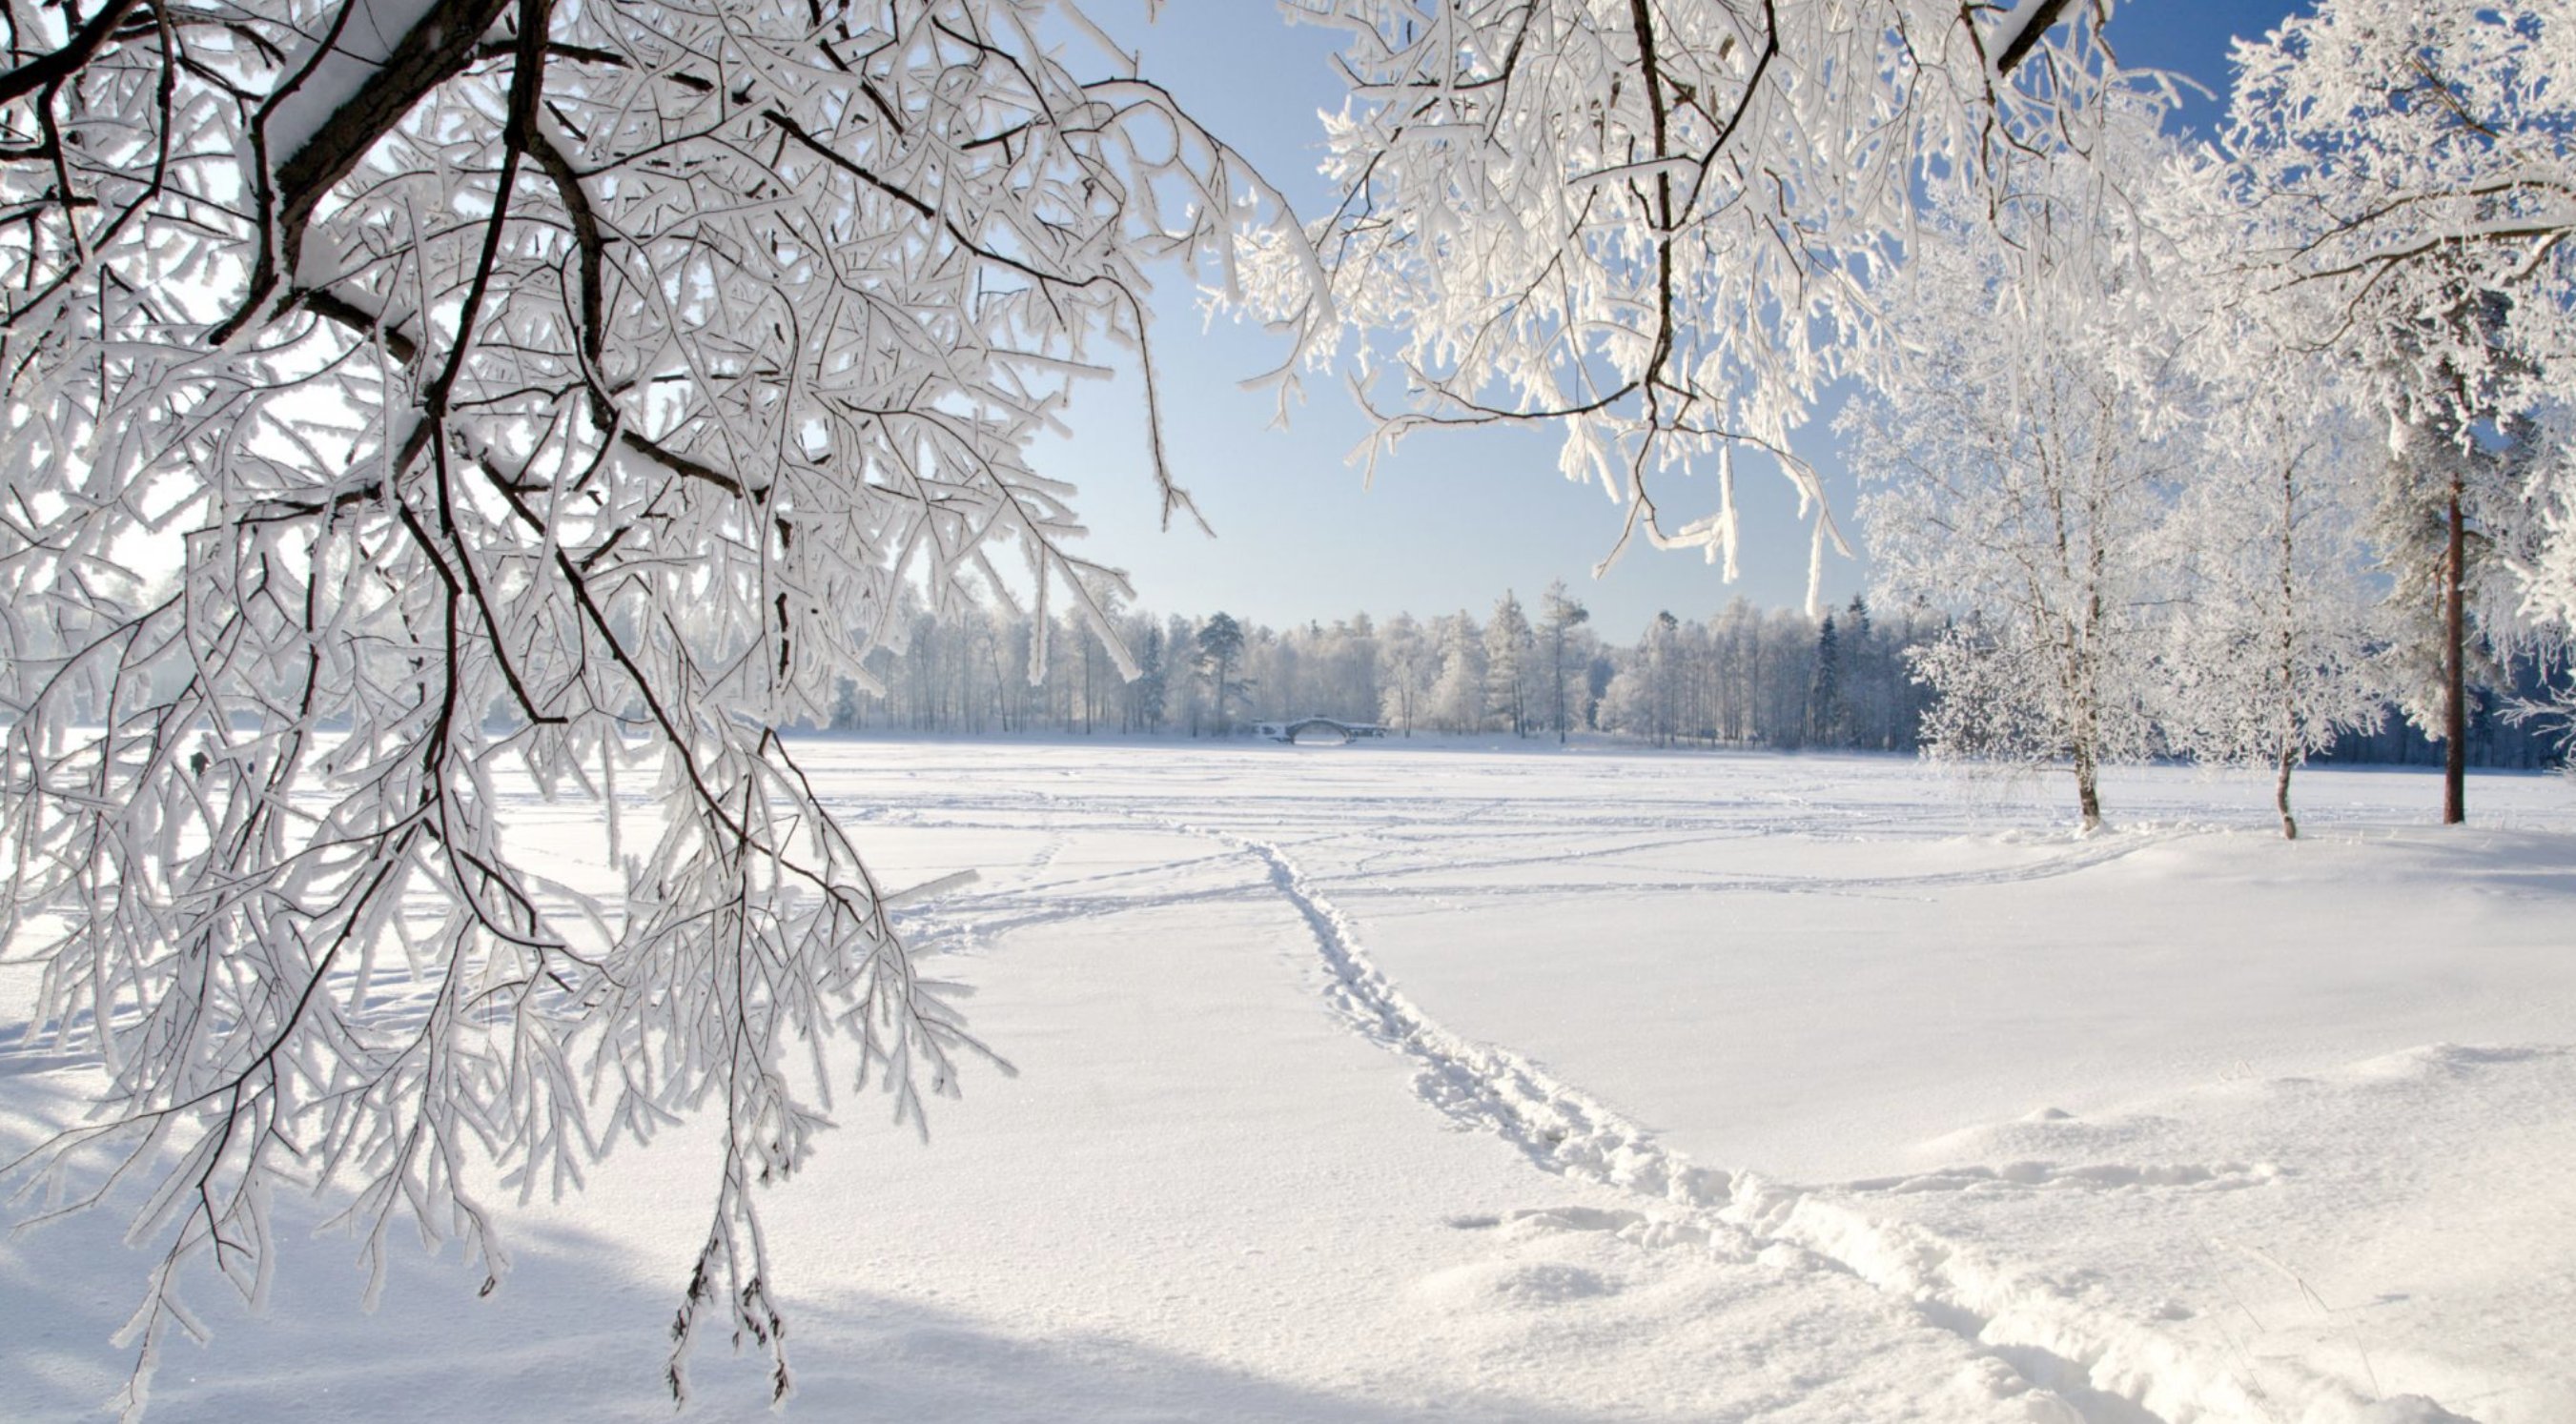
(1559, 616)
(2419, 165)
(2419, 159)
(1509, 644)
(1736, 637)
(1350, 655)
(1457, 698)
(1408, 665)
(2274, 647)
(404, 395)
(2020, 465)
(2273, 651)
(1644, 699)
(2271, 657)
(1651, 225)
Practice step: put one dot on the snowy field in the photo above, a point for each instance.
(1376, 1083)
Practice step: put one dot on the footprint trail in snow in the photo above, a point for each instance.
(2081, 1359)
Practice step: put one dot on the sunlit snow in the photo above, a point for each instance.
(1383, 1082)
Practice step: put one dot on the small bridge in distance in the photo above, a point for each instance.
(1318, 728)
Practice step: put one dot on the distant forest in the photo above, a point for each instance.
(1743, 677)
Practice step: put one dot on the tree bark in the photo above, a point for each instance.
(2291, 741)
(2281, 794)
(2018, 47)
(433, 51)
(2088, 796)
(1556, 674)
(2455, 682)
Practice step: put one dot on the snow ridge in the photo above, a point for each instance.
(2047, 1176)
(2104, 1367)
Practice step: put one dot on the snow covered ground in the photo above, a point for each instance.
(1378, 1083)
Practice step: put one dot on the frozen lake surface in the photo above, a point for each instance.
(1386, 1082)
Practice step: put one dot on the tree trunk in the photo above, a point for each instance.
(1556, 673)
(2088, 797)
(2455, 682)
(2291, 741)
(2281, 794)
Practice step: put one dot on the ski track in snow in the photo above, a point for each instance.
(2103, 1366)
(1040, 901)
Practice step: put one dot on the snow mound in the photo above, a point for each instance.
(1487, 1284)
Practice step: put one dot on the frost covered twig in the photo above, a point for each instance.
(407, 393)
(1656, 228)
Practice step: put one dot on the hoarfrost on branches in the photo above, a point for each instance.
(2416, 159)
(406, 393)
(2274, 647)
(2418, 163)
(2273, 651)
(1655, 226)
(2022, 452)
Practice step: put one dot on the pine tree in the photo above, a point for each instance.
(2450, 512)
(1220, 647)
(1825, 703)
(1145, 693)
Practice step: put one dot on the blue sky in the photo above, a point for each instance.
(1453, 519)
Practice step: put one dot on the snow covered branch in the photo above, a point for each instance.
(1655, 227)
(406, 392)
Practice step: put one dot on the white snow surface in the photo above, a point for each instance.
(1393, 1082)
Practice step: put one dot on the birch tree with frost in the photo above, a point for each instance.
(2020, 453)
(408, 395)
(1408, 666)
(1652, 225)
(1510, 644)
(2274, 649)
(2275, 645)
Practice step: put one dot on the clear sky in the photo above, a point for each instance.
(1455, 518)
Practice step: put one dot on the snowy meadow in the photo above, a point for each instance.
(1397, 1081)
(450, 448)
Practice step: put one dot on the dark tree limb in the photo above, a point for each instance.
(53, 68)
(2019, 47)
(441, 46)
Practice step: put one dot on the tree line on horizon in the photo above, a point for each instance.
(1744, 677)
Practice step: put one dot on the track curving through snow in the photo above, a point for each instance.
(2055, 1329)
(2104, 1367)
